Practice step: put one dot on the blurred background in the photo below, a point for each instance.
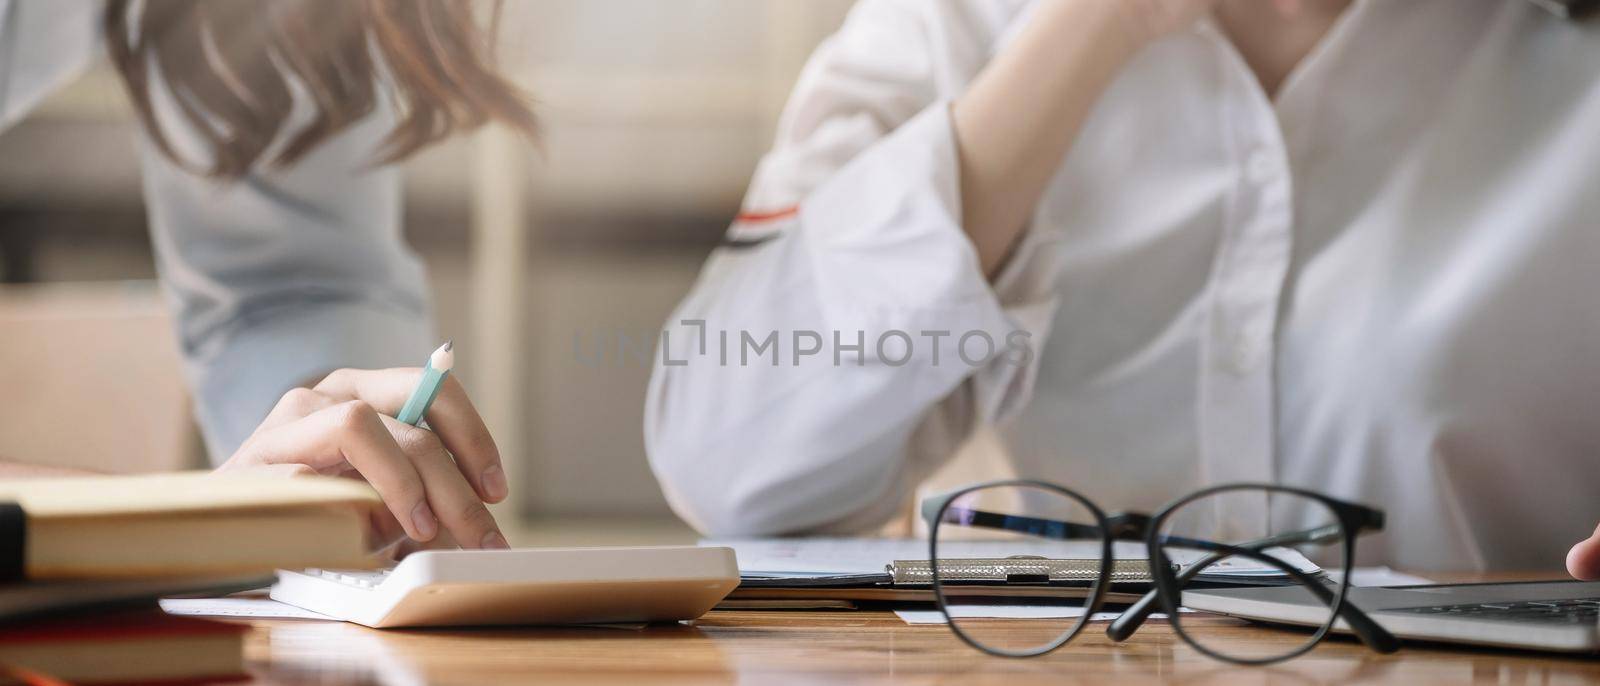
(655, 113)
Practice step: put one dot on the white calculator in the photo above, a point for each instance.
(520, 587)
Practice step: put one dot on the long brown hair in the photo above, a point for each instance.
(234, 67)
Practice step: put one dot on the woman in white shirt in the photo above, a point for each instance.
(269, 129)
(1350, 246)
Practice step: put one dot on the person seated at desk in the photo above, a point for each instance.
(271, 130)
(1156, 244)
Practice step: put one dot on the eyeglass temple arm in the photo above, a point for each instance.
(1370, 632)
(1035, 526)
(1123, 627)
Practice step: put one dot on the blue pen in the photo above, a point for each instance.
(439, 365)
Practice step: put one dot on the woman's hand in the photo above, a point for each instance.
(345, 426)
(1583, 561)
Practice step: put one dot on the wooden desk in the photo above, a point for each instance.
(837, 646)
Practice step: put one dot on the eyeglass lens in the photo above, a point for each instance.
(1015, 564)
(1264, 534)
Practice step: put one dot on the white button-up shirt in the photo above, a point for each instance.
(1383, 284)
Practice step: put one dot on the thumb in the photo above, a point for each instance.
(1583, 561)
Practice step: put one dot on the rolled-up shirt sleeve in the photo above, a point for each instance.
(852, 234)
(285, 275)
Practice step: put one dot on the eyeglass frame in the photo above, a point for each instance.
(1353, 520)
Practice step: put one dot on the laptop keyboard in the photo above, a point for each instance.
(1561, 612)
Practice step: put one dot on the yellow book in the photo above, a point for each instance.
(185, 524)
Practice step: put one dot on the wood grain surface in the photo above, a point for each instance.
(807, 647)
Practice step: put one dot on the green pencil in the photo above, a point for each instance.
(439, 365)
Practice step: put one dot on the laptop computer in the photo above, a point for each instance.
(1561, 616)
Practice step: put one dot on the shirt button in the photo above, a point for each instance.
(1243, 356)
(1262, 166)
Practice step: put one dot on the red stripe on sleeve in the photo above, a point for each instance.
(764, 217)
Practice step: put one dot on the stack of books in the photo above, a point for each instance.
(83, 562)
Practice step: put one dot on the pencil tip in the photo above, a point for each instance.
(450, 345)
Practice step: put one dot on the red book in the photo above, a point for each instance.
(145, 646)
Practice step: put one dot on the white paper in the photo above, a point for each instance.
(802, 557)
(1379, 576)
(791, 557)
(1011, 612)
(266, 608)
(250, 608)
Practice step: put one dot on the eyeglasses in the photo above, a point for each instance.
(1011, 561)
